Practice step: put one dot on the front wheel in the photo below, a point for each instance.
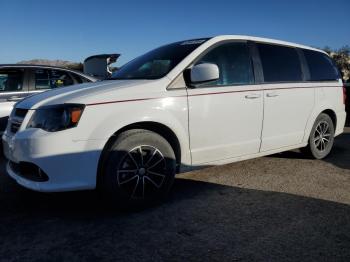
(139, 168)
(321, 139)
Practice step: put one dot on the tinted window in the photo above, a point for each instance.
(60, 78)
(321, 67)
(11, 80)
(234, 63)
(42, 80)
(280, 63)
(48, 78)
(157, 63)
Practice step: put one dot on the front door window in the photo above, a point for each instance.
(11, 80)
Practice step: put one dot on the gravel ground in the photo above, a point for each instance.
(278, 208)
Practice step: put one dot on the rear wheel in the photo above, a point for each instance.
(139, 168)
(321, 138)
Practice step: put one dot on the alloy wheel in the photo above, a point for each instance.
(322, 136)
(142, 172)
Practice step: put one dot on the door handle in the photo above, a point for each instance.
(14, 98)
(272, 94)
(252, 96)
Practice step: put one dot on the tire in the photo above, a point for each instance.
(321, 138)
(139, 169)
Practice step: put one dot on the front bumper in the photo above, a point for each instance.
(70, 165)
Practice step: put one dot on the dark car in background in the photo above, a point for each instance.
(18, 81)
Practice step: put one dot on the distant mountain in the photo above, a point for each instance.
(60, 63)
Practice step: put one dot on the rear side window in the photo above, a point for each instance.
(60, 78)
(280, 63)
(321, 66)
(234, 63)
(49, 78)
(42, 80)
(11, 80)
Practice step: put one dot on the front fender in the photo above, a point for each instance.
(100, 122)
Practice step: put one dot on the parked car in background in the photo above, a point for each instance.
(19, 81)
(184, 105)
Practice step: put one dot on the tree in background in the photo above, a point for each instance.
(341, 57)
(76, 66)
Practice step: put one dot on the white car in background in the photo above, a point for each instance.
(19, 81)
(188, 104)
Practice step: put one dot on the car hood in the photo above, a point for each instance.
(98, 92)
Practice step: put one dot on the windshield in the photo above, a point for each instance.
(158, 62)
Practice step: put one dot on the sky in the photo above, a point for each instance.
(73, 30)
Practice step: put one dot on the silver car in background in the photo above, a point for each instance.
(19, 81)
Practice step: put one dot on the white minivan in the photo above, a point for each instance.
(184, 105)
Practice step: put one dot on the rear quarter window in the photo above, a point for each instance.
(321, 66)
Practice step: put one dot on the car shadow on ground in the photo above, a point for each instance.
(200, 222)
(339, 156)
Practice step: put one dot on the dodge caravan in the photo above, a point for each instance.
(181, 106)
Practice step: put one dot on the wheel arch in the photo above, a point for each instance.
(326, 110)
(332, 115)
(156, 127)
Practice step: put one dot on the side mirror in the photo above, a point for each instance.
(204, 73)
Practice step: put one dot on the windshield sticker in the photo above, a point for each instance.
(193, 42)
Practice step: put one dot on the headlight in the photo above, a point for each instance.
(56, 118)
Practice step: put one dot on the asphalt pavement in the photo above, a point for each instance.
(277, 208)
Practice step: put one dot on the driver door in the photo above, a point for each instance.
(226, 115)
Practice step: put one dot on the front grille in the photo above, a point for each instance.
(14, 126)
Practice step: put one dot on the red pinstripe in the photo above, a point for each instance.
(200, 94)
